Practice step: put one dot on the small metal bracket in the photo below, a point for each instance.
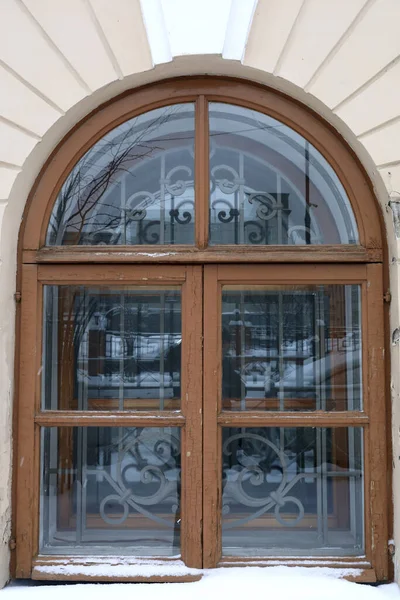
(387, 297)
(17, 297)
(391, 549)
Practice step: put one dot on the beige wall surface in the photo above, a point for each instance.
(61, 59)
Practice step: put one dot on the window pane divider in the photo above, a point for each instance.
(55, 418)
(187, 254)
(287, 419)
(201, 173)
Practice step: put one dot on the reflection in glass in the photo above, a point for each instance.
(292, 491)
(111, 349)
(110, 490)
(134, 186)
(269, 185)
(291, 347)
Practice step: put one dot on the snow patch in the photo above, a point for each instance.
(115, 567)
(285, 583)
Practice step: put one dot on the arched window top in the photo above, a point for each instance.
(134, 186)
(268, 185)
(271, 184)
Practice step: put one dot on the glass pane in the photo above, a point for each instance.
(111, 349)
(134, 186)
(292, 491)
(108, 490)
(269, 185)
(291, 347)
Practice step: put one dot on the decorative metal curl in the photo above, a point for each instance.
(186, 215)
(225, 216)
(121, 500)
(227, 186)
(255, 237)
(280, 503)
(178, 187)
(150, 237)
(144, 199)
(300, 231)
(267, 207)
(166, 451)
(234, 491)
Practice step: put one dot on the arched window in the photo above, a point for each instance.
(269, 185)
(201, 357)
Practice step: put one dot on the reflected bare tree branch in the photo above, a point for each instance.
(89, 203)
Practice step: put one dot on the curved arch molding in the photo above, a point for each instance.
(59, 60)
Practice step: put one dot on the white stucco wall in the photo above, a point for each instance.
(61, 59)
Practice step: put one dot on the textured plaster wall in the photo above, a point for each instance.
(61, 59)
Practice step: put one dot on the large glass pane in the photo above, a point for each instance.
(269, 185)
(106, 348)
(291, 347)
(110, 490)
(134, 186)
(292, 491)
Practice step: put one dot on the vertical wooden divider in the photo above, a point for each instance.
(192, 388)
(39, 332)
(202, 176)
(366, 409)
(24, 469)
(211, 447)
(378, 463)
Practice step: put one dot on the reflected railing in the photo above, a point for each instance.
(291, 349)
(295, 491)
(111, 349)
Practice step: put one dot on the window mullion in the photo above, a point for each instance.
(201, 172)
(293, 419)
(99, 418)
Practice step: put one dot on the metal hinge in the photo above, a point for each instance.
(17, 297)
(387, 297)
(391, 548)
(12, 544)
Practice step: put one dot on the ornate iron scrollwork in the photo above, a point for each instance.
(258, 235)
(179, 214)
(175, 213)
(150, 237)
(225, 216)
(269, 457)
(163, 452)
(251, 226)
(267, 205)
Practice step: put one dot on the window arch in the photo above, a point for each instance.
(268, 184)
(134, 186)
(282, 178)
(201, 366)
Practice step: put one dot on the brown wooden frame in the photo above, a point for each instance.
(201, 91)
(370, 419)
(188, 418)
(362, 263)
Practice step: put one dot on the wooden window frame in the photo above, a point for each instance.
(371, 419)
(363, 263)
(202, 91)
(189, 279)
